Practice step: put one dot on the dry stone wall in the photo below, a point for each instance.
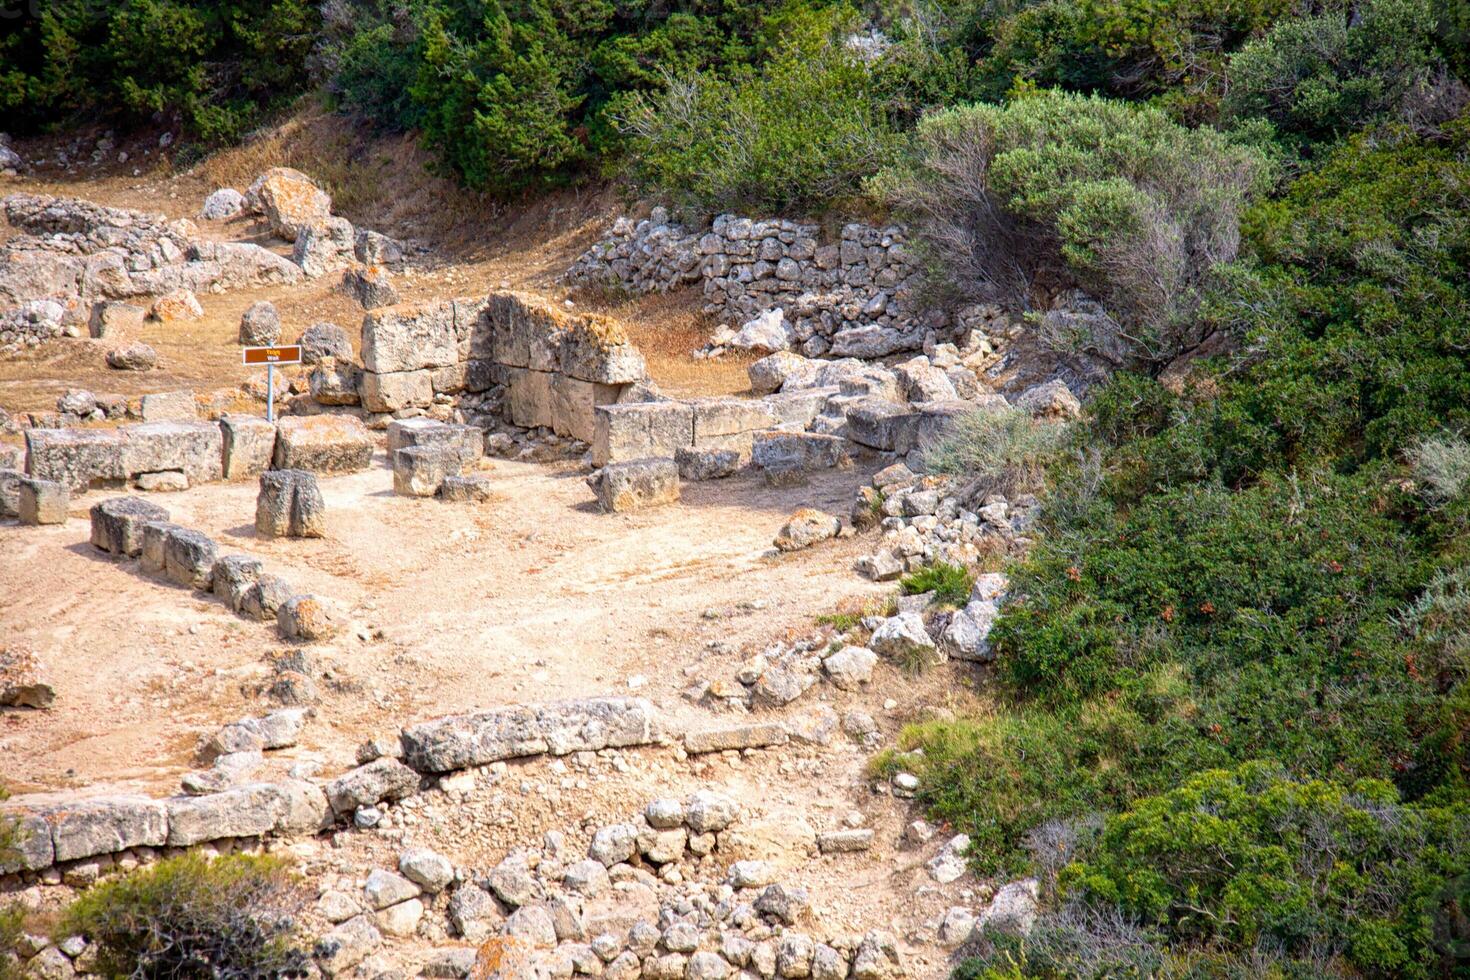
(852, 297)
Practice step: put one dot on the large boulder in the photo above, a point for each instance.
(636, 484)
(290, 201)
(323, 444)
(334, 382)
(117, 524)
(176, 306)
(289, 505)
(323, 246)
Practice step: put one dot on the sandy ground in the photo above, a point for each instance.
(531, 597)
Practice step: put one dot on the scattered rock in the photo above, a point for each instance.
(133, 357)
(805, 528)
(260, 325)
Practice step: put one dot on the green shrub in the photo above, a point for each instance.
(1322, 77)
(1316, 867)
(951, 584)
(1003, 452)
(1055, 188)
(799, 132)
(189, 917)
(215, 66)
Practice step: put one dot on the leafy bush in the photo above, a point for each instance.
(1001, 452)
(517, 96)
(804, 129)
(1322, 77)
(951, 584)
(1314, 866)
(1012, 201)
(185, 916)
(216, 66)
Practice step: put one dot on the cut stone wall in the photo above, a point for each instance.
(556, 367)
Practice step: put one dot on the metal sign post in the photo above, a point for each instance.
(270, 357)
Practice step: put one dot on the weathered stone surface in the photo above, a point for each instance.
(752, 736)
(805, 528)
(290, 201)
(771, 373)
(381, 779)
(384, 888)
(322, 444)
(641, 430)
(78, 458)
(574, 405)
(904, 638)
(166, 481)
(155, 536)
(245, 811)
(264, 599)
(795, 411)
(133, 357)
(323, 246)
(528, 397)
(222, 204)
(111, 320)
(325, 339)
(117, 524)
(248, 445)
(372, 288)
(42, 502)
(465, 441)
(105, 825)
(419, 471)
(729, 422)
(290, 505)
(708, 812)
(176, 306)
(32, 849)
(170, 406)
(260, 325)
(189, 558)
(334, 382)
(467, 489)
(10, 492)
(409, 337)
(473, 913)
(396, 391)
(636, 484)
(1052, 400)
(22, 680)
(310, 618)
(428, 869)
(195, 449)
(707, 464)
(881, 424)
(845, 841)
(850, 667)
(337, 952)
(232, 577)
(589, 724)
(801, 451)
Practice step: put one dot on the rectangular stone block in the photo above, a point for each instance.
(574, 405)
(42, 502)
(248, 444)
(409, 337)
(195, 448)
(170, 406)
(465, 441)
(472, 335)
(636, 484)
(111, 320)
(736, 737)
(32, 849)
(245, 811)
(881, 424)
(105, 825)
(596, 348)
(640, 429)
(482, 375)
(797, 410)
(450, 380)
(584, 725)
(528, 397)
(777, 450)
(323, 444)
(524, 332)
(392, 392)
(78, 458)
(12, 456)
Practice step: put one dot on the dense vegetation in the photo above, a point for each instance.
(1231, 729)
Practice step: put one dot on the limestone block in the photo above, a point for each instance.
(393, 392)
(322, 444)
(636, 484)
(117, 524)
(249, 443)
(641, 429)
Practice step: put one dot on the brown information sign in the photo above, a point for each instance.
(273, 355)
